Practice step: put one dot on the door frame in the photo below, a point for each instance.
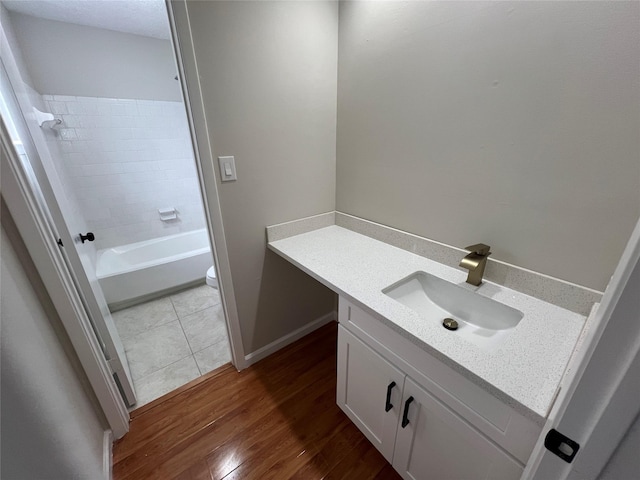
(182, 42)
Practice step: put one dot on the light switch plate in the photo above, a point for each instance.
(227, 169)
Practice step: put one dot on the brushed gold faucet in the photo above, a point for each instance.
(475, 262)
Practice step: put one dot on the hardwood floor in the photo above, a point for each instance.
(275, 420)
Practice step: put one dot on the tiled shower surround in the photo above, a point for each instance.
(126, 159)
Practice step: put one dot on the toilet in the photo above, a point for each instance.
(212, 281)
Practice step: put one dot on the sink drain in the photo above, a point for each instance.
(450, 324)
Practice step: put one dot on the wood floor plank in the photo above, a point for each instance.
(363, 462)
(197, 471)
(227, 447)
(244, 422)
(292, 464)
(172, 418)
(316, 465)
(387, 473)
(196, 409)
(342, 444)
(314, 469)
(272, 454)
(277, 419)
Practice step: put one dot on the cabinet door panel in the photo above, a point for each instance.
(364, 379)
(438, 444)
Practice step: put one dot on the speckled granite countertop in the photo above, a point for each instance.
(524, 370)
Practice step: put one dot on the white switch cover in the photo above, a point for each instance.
(227, 169)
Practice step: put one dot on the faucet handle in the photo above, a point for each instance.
(479, 249)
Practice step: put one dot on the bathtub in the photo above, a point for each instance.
(142, 269)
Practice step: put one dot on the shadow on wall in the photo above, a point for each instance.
(304, 298)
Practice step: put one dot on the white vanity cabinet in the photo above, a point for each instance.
(437, 443)
(369, 391)
(463, 434)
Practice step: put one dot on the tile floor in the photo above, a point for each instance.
(173, 340)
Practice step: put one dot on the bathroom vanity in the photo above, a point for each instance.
(428, 420)
(437, 403)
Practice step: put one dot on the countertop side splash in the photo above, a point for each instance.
(576, 298)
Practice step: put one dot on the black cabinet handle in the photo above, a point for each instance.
(89, 236)
(388, 406)
(405, 415)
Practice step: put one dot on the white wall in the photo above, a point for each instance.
(12, 39)
(509, 123)
(50, 428)
(268, 77)
(67, 59)
(625, 461)
(126, 159)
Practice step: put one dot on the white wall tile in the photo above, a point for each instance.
(68, 134)
(80, 146)
(97, 169)
(125, 159)
(57, 107)
(82, 108)
(63, 98)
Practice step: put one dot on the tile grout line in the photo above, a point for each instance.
(150, 329)
(183, 332)
(166, 366)
(179, 318)
(201, 310)
(175, 310)
(139, 383)
(154, 326)
(222, 339)
(211, 345)
(185, 335)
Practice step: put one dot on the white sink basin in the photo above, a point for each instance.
(481, 320)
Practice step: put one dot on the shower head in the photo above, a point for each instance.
(46, 119)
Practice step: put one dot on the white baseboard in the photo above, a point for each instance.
(107, 454)
(282, 342)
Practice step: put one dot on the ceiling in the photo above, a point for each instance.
(140, 17)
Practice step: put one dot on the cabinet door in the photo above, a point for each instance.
(369, 391)
(436, 443)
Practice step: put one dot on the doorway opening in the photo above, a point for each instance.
(108, 109)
